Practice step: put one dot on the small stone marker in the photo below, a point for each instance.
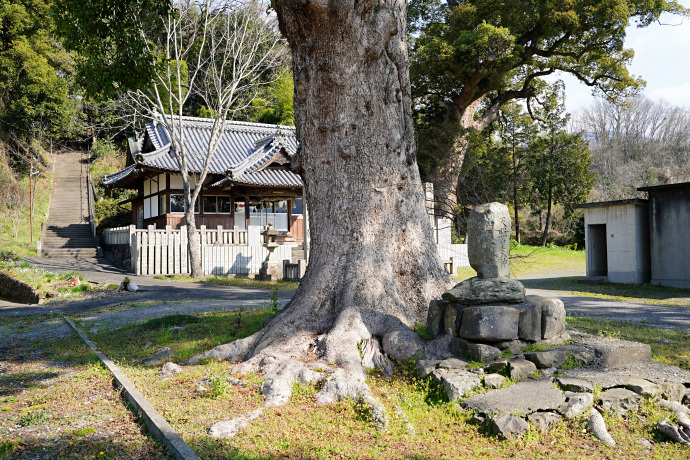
(488, 240)
(494, 381)
(598, 428)
(544, 421)
(620, 400)
(170, 369)
(576, 405)
(521, 369)
(509, 425)
(673, 391)
(158, 357)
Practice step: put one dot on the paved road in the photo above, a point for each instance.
(665, 316)
(102, 271)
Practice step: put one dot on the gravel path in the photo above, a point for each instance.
(183, 297)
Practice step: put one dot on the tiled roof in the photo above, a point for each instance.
(244, 149)
(110, 179)
(268, 177)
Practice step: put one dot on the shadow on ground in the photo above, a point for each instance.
(646, 293)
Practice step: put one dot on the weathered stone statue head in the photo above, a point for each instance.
(488, 240)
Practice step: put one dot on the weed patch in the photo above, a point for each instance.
(168, 321)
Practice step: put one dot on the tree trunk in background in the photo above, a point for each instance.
(516, 202)
(373, 265)
(547, 224)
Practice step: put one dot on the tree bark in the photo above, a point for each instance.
(373, 265)
(547, 224)
(516, 202)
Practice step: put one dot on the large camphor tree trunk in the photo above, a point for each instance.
(373, 263)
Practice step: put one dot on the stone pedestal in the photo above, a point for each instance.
(271, 268)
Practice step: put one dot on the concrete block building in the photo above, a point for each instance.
(641, 241)
(617, 240)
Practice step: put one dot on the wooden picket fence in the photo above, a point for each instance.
(165, 251)
(453, 256)
(155, 251)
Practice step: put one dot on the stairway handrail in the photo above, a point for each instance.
(91, 194)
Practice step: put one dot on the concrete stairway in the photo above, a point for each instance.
(68, 232)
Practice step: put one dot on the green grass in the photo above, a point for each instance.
(304, 429)
(21, 245)
(241, 281)
(60, 403)
(645, 293)
(200, 333)
(531, 260)
(41, 280)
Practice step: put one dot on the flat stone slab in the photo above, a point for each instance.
(478, 291)
(456, 382)
(523, 397)
(609, 378)
(612, 353)
(549, 358)
(575, 385)
(643, 387)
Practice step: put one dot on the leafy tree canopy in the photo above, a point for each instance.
(34, 70)
(473, 56)
(113, 53)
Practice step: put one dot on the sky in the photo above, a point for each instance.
(662, 59)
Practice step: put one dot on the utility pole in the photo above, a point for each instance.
(31, 200)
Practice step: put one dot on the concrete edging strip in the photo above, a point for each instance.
(160, 428)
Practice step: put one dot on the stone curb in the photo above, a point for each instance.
(154, 421)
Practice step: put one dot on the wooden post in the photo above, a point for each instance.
(134, 250)
(235, 235)
(246, 214)
(184, 251)
(202, 238)
(169, 254)
(151, 249)
(289, 213)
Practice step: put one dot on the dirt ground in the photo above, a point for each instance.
(57, 401)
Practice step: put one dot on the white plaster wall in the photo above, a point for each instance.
(624, 237)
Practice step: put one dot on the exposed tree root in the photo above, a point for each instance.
(291, 349)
